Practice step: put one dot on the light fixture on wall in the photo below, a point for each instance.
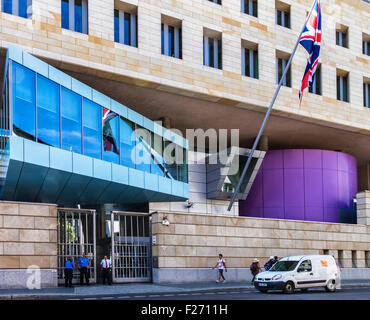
(165, 221)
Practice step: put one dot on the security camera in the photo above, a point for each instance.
(189, 204)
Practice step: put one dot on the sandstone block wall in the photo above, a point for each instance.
(28, 235)
(194, 241)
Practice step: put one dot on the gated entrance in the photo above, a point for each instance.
(131, 247)
(76, 234)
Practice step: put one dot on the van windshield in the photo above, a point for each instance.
(284, 266)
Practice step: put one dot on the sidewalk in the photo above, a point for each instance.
(138, 288)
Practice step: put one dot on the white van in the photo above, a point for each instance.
(300, 272)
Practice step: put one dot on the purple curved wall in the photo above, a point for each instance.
(302, 184)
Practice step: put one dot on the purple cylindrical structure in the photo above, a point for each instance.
(303, 184)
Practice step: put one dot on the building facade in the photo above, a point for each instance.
(84, 84)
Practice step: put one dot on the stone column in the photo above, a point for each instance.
(347, 259)
(363, 208)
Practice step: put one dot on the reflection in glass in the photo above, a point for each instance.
(48, 125)
(127, 142)
(143, 149)
(92, 142)
(169, 155)
(157, 164)
(24, 111)
(110, 136)
(71, 120)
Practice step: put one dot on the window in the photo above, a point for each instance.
(91, 128)
(171, 40)
(367, 93)
(284, 266)
(71, 120)
(366, 44)
(48, 121)
(216, 1)
(249, 7)
(316, 85)
(24, 111)
(75, 15)
(127, 143)
(21, 8)
(249, 60)
(212, 50)
(110, 136)
(342, 86)
(281, 63)
(282, 14)
(305, 266)
(125, 27)
(342, 36)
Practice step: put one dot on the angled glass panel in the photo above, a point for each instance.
(110, 136)
(169, 154)
(24, 108)
(143, 149)
(157, 164)
(127, 143)
(91, 120)
(48, 122)
(71, 120)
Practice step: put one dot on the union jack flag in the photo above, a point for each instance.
(311, 41)
(109, 140)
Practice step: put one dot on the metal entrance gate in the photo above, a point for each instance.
(131, 244)
(76, 234)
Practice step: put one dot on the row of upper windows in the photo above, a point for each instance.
(75, 17)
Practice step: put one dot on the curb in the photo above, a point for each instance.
(64, 296)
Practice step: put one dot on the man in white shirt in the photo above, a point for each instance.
(105, 267)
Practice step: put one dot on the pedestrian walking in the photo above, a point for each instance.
(83, 267)
(269, 263)
(105, 268)
(255, 268)
(68, 272)
(221, 264)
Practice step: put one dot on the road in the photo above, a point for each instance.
(352, 293)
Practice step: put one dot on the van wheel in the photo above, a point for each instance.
(289, 287)
(331, 286)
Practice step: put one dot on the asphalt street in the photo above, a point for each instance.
(353, 293)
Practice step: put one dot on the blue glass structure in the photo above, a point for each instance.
(67, 143)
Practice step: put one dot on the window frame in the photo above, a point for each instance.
(72, 22)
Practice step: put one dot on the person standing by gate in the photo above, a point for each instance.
(68, 272)
(83, 265)
(105, 267)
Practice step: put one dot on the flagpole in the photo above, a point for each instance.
(268, 114)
